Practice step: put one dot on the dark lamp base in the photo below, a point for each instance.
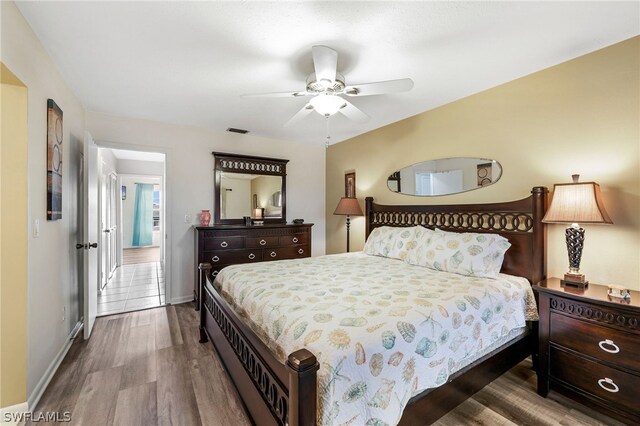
(574, 280)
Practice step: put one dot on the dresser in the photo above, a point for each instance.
(589, 347)
(224, 245)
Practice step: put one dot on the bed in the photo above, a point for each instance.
(284, 377)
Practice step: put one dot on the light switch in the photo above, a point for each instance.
(36, 228)
(187, 218)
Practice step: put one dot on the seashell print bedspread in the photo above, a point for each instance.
(382, 330)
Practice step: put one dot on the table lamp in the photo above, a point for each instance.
(350, 207)
(572, 203)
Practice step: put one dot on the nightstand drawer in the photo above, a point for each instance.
(603, 343)
(619, 388)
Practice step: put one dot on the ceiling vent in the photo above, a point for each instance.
(234, 130)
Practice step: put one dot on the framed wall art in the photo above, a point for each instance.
(54, 161)
(350, 185)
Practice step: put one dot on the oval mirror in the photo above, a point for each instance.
(445, 176)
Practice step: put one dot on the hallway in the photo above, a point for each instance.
(133, 287)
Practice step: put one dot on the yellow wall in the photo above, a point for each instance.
(581, 116)
(13, 240)
(264, 187)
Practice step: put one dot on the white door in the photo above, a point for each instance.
(90, 228)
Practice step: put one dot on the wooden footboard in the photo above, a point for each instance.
(273, 393)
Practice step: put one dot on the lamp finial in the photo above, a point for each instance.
(575, 178)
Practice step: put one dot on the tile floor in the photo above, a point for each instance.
(133, 287)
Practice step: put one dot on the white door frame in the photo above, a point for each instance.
(166, 247)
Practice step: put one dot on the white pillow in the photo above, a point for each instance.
(468, 253)
(390, 241)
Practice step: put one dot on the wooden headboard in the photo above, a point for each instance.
(519, 221)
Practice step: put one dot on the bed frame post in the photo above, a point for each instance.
(303, 367)
(368, 216)
(204, 269)
(539, 207)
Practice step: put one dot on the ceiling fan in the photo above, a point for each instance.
(326, 85)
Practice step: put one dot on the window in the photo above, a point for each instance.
(156, 207)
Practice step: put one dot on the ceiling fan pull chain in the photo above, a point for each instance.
(326, 143)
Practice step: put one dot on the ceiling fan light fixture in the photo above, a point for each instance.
(327, 104)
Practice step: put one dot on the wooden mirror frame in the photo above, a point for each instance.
(235, 163)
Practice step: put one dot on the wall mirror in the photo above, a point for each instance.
(445, 176)
(249, 186)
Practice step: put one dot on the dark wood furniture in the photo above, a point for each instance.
(589, 347)
(247, 165)
(224, 245)
(276, 393)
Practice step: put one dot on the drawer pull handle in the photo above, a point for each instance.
(612, 349)
(252, 256)
(608, 385)
(272, 254)
(301, 251)
(215, 258)
(262, 242)
(224, 244)
(295, 239)
(214, 273)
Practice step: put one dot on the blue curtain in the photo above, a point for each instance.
(143, 215)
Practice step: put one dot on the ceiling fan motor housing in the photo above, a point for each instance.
(315, 86)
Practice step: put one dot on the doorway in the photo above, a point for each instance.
(132, 255)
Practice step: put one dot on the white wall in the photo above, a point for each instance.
(236, 198)
(53, 283)
(128, 208)
(190, 178)
(137, 167)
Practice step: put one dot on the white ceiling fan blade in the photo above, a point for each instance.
(306, 110)
(379, 87)
(325, 62)
(277, 95)
(353, 113)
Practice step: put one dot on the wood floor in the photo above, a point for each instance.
(147, 368)
(140, 255)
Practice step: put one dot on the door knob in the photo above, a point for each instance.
(93, 245)
(79, 246)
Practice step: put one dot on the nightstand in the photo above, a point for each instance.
(589, 347)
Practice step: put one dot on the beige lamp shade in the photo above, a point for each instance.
(348, 206)
(577, 203)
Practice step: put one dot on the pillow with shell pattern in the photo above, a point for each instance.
(390, 241)
(468, 253)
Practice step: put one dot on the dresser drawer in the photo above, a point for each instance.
(619, 388)
(261, 242)
(223, 243)
(603, 343)
(291, 252)
(225, 257)
(215, 271)
(288, 240)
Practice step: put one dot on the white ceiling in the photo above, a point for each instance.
(188, 63)
(122, 154)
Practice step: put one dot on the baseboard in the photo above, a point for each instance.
(35, 396)
(182, 299)
(10, 415)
